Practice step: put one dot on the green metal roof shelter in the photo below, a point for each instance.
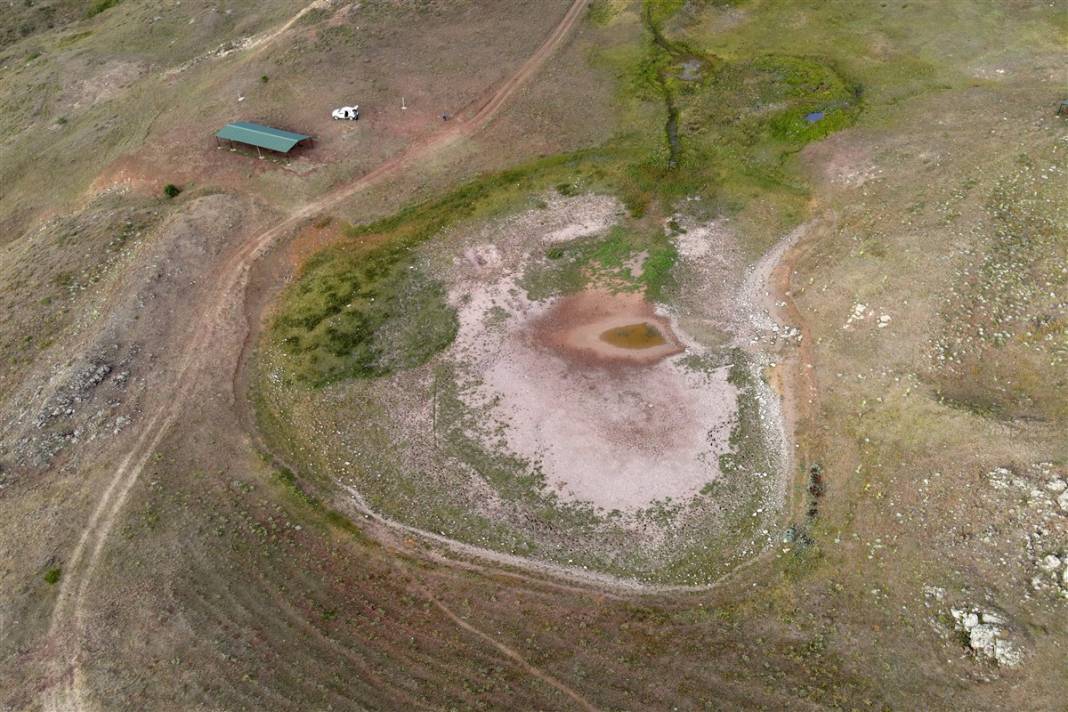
(260, 136)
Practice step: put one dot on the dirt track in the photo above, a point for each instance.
(66, 625)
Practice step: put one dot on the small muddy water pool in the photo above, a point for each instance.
(642, 335)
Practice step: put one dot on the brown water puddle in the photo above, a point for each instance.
(642, 335)
(598, 327)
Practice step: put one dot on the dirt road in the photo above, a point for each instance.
(67, 620)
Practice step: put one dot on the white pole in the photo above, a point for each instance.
(403, 107)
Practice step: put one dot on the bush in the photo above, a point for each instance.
(51, 576)
(171, 190)
(100, 6)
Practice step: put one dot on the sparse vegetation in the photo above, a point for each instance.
(363, 313)
(607, 262)
(917, 143)
(99, 6)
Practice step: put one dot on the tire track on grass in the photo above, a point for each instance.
(513, 655)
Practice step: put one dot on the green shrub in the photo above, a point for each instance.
(53, 575)
(601, 12)
(100, 6)
(171, 190)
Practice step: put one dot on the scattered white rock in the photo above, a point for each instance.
(1049, 563)
(859, 312)
(936, 592)
(1000, 477)
(1053, 576)
(987, 636)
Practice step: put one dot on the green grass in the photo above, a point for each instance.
(363, 313)
(601, 12)
(99, 6)
(288, 481)
(603, 262)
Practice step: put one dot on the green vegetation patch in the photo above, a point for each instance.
(358, 313)
(602, 12)
(730, 124)
(753, 113)
(99, 6)
(818, 100)
(624, 260)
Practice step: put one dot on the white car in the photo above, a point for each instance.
(348, 113)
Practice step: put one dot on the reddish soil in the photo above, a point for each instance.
(574, 327)
(796, 379)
